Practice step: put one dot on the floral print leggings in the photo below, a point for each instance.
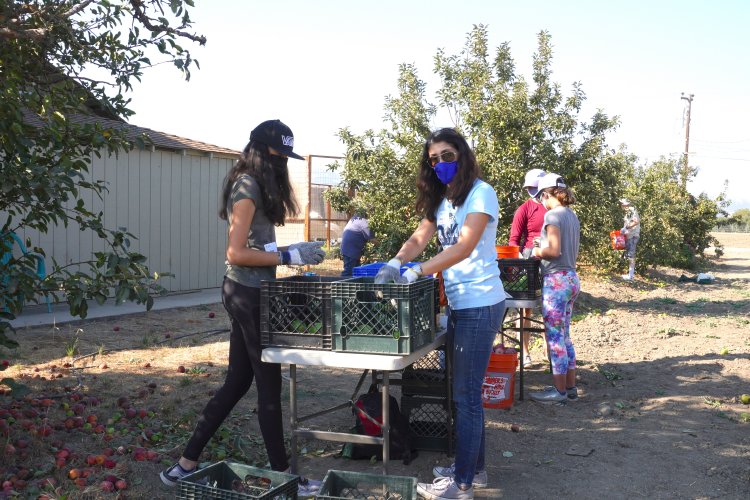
(559, 291)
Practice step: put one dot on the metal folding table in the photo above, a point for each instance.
(384, 363)
(520, 305)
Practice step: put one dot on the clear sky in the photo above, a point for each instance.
(323, 65)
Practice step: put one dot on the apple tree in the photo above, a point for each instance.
(61, 60)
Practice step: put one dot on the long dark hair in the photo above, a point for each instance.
(430, 191)
(278, 197)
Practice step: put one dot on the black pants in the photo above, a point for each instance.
(243, 305)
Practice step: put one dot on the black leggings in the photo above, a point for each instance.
(243, 305)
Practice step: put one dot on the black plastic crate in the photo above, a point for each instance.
(427, 376)
(432, 426)
(339, 484)
(233, 481)
(296, 312)
(389, 318)
(521, 278)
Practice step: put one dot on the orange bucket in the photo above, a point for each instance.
(507, 251)
(499, 381)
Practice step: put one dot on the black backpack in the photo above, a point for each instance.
(400, 434)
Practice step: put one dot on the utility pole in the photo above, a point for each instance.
(685, 167)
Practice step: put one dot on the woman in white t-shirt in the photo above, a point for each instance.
(462, 210)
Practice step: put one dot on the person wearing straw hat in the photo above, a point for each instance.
(462, 211)
(558, 250)
(631, 228)
(526, 226)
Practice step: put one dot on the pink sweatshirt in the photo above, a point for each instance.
(527, 224)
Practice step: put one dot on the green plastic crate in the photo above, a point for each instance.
(296, 312)
(232, 481)
(339, 484)
(383, 318)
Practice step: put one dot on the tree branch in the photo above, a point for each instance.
(78, 8)
(140, 14)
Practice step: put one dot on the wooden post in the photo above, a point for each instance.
(309, 198)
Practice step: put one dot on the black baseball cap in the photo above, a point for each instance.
(276, 134)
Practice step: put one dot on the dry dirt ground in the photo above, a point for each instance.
(662, 365)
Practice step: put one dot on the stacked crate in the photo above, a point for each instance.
(521, 278)
(427, 402)
(383, 318)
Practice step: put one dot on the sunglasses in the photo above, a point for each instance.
(446, 156)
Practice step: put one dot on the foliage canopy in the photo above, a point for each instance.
(514, 126)
(64, 63)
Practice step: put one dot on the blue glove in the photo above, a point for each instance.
(389, 273)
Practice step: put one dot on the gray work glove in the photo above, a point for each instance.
(526, 253)
(389, 273)
(306, 253)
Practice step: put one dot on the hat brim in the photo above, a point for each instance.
(532, 190)
(295, 156)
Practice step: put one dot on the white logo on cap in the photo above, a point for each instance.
(288, 140)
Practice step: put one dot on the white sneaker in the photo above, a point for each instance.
(627, 277)
(444, 488)
(549, 395)
(480, 476)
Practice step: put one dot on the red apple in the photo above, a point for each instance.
(116, 328)
(107, 486)
(211, 314)
(121, 484)
(181, 369)
(74, 473)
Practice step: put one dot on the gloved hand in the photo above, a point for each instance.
(624, 231)
(407, 277)
(389, 273)
(306, 253)
(526, 253)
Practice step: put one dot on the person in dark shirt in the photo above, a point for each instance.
(356, 234)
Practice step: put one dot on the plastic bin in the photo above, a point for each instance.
(521, 278)
(370, 270)
(386, 318)
(432, 427)
(427, 376)
(339, 484)
(296, 312)
(507, 251)
(499, 381)
(234, 481)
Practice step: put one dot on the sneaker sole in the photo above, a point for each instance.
(423, 493)
(473, 484)
(167, 481)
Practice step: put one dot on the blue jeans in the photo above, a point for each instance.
(349, 264)
(471, 333)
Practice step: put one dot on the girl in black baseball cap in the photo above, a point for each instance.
(257, 196)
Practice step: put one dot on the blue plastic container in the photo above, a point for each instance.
(372, 269)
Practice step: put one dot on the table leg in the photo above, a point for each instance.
(386, 416)
(293, 412)
(521, 320)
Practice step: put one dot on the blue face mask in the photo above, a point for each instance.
(446, 171)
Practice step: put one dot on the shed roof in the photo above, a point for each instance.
(159, 139)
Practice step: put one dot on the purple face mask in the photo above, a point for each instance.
(446, 171)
